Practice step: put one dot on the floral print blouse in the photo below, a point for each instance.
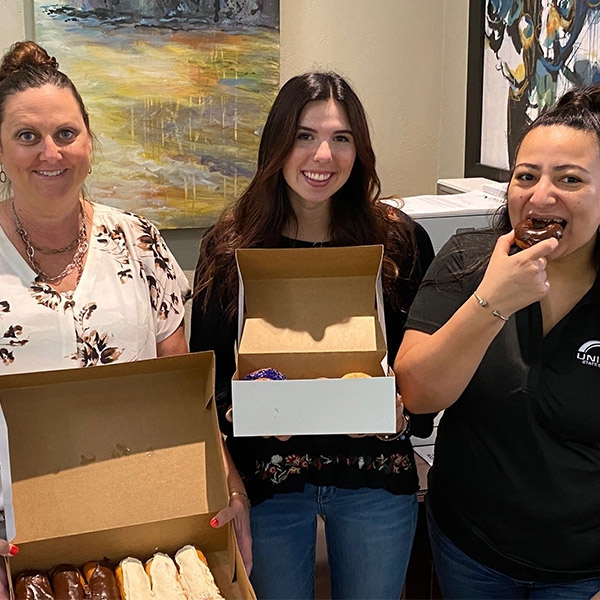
(130, 296)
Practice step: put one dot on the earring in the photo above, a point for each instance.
(90, 170)
(3, 176)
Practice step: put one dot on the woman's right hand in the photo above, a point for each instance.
(456, 349)
(512, 282)
(281, 438)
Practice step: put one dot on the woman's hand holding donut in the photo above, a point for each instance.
(456, 349)
(513, 282)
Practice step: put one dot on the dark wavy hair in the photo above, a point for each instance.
(578, 108)
(258, 217)
(27, 65)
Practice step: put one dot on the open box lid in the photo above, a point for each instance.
(114, 446)
(311, 300)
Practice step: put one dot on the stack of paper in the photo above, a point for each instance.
(469, 203)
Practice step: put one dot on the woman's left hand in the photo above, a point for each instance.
(238, 511)
(400, 424)
(400, 418)
(7, 549)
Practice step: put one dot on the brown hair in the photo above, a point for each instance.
(27, 65)
(258, 217)
(579, 109)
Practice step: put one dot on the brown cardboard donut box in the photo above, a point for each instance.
(116, 461)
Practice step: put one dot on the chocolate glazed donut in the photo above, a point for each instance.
(531, 231)
(102, 582)
(68, 583)
(33, 585)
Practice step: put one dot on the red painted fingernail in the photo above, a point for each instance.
(214, 522)
(13, 550)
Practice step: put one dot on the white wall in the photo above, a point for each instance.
(16, 22)
(407, 60)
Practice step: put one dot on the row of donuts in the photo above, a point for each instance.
(270, 374)
(188, 577)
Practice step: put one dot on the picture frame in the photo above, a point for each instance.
(473, 165)
(177, 93)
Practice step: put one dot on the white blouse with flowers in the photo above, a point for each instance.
(130, 296)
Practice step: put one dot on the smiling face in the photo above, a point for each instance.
(322, 156)
(557, 176)
(45, 147)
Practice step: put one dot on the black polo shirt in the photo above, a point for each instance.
(516, 478)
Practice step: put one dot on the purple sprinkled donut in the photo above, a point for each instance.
(267, 373)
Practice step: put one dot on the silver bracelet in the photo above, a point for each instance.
(484, 304)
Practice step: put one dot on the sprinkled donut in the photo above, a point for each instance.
(265, 374)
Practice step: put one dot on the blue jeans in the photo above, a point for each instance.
(369, 537)
(463, 578)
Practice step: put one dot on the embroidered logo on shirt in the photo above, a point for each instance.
(589, 353)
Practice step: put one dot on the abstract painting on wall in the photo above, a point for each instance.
(177, 91)
(527, 54)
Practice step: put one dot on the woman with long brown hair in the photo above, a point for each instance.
(316, 185)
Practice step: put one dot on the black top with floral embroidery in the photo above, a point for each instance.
(268, 465)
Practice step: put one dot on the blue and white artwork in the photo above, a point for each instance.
(534, 51)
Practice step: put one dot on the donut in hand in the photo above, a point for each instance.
(531, 231)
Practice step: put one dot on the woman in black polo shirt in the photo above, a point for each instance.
(507, 341)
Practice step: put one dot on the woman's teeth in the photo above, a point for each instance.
(51, 173)
(316, 176)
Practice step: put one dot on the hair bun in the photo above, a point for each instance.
(592, 92)
(25, 54)
(586, 98)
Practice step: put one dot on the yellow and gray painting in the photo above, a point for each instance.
(177, 90)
